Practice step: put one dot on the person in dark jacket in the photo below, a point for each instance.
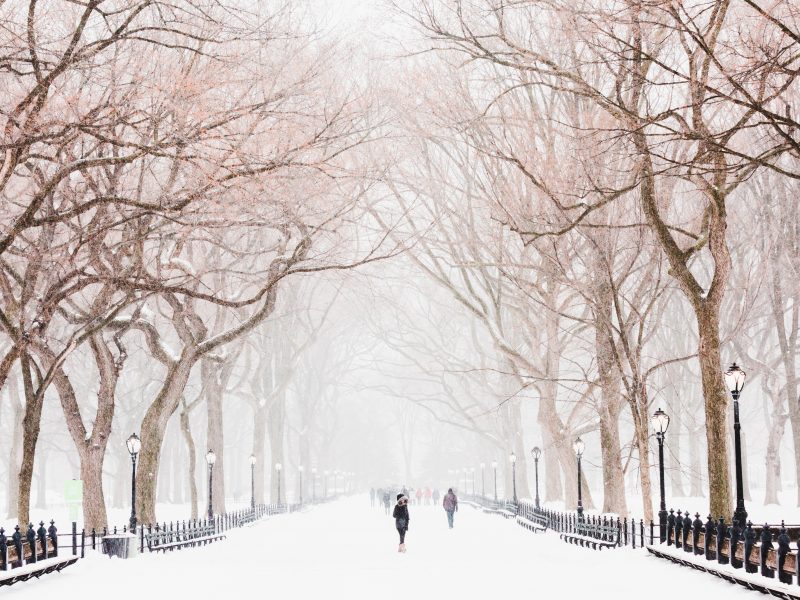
(450, 504)
(401, 519)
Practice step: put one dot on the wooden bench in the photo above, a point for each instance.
(594, 536)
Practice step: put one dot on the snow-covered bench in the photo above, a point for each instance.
(593, 535)
(31, 555)
(174, 538)
(532, 522)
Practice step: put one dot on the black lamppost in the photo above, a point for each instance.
(325, 484)
(134, 445)
(314, 484)
(735, 377)
(536, 452)
(279, 468)
(211, 458)
(472, 477)
(660, 425)
(300, 470)
(494, 466)
(579, 447)
(513, 459)
(252, 481)
(483, 480)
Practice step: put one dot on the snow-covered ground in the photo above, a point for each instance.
(348, 550)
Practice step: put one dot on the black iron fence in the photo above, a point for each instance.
(771, 551)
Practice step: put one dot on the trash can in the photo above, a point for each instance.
(122, 545)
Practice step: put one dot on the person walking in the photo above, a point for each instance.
(450, 504)
(436, 496)
(387, 500)
(372, 497)
(401, 519)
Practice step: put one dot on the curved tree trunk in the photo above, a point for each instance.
(154, 425)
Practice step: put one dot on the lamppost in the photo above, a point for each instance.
(278, 468)
(513, 459)
(325, 484)
(252, 481)
(735, 377)
(134, 445)
(536, 452)
(466, 489)
(300, 470)
(494, 466)
(314, 484)
(579, 447)
(211, 458)
(472, 477)
(660, 424)
(483, 480)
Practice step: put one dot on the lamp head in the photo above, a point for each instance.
(660, 421)
(211, 458)
(513, 458)
(134, 444)
(536, 452)
(579, 447)
(252, 459)
(735, 377)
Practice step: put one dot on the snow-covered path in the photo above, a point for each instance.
(348, 550)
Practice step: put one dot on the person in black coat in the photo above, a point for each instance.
(401, 519)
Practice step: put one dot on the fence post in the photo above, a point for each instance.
(652, 531)
(721, 534)
(141, 539)
(41, 535)
(641, 533)
(17, 541)
(30, 537)
(94, 539)
(749, 542)
(83, 542)
(766, 546)
(697, 528)
(783, 550)
(709, 531)
(687, 529)
(53, 533)
(3, 550)
(678, 529)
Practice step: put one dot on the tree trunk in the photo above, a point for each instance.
(213, 391)
(154, 425)
(716, 403)
(31, 423)
(259, 444)
(191, 461)
(15, 452)
(41, 482)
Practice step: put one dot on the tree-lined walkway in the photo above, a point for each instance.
(347, 550)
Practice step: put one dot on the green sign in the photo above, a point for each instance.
(73, 496)
(73, 491)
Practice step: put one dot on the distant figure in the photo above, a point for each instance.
(419, 496)
(428, 495)
(450, 504)
(387, 500)
(436, 496)
(372, 497)
(401, 520)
